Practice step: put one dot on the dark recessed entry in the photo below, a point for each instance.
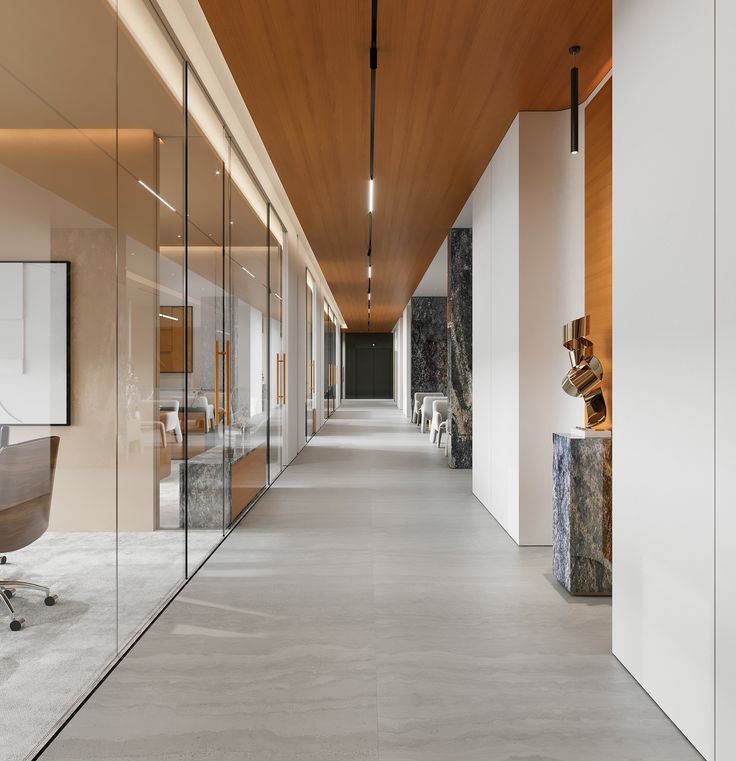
(369, 365)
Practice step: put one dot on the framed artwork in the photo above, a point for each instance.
(35, 340)
(175, 355)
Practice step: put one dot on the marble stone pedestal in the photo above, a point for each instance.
(582, 531)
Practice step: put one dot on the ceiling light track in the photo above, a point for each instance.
(371, 187)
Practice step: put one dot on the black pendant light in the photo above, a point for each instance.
(574, 50)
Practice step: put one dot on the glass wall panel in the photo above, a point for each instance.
(151, 323)
(203, 386)
(58, 368)
(247, 309)
(277, 390)
(331, 364)
(311, 400)
(142, 371)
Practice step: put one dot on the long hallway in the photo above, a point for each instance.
(370, 608)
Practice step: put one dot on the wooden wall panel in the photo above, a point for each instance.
(598, 241)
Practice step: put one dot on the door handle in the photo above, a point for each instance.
(283, 378)
(227, 382)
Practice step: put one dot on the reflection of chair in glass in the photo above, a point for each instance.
(26, 482)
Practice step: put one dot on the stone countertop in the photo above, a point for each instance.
(215, 455)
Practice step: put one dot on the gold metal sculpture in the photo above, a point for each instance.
(585, 377)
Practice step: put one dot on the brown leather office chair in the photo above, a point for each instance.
(26, 483)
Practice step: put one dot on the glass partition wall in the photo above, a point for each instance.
(310, 420)
(142, 362)
(331, 374)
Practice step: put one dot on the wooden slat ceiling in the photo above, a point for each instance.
(452, 74)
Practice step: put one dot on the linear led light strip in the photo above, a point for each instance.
(153, 192)
(371, 184)
(168, 317)
(152, 40)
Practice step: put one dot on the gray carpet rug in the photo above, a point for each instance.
(62, 650)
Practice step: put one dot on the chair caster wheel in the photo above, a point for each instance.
(3, 560)
(51, 600)
(9, 593)
(17, 624)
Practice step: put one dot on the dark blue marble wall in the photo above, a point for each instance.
(428, 344)
(582, 526)
(460, 346)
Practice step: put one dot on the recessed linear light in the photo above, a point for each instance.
(370, 195)
(168, 317)
(245, 270)
(153, 192)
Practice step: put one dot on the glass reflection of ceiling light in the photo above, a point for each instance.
(370, 271)
(246, 270)
(168, 317)
(153, 192)
(217, 171)
(370, 195)
(277, 296)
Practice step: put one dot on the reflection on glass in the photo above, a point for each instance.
(152, 333)
(277, 383)
(311, 401)
(247, 308)
(58, 198)
(136, 269)
(330, 362)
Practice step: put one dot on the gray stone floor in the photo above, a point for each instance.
(370, 608)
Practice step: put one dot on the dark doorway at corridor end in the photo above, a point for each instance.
(369, 362)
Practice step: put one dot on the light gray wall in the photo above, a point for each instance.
(528, 280)
(663, 310)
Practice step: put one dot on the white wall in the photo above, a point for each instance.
(503, 327)
(663, 305)
(551, 292)
(434, 281)
(482, 420)
(528, 280)
(725, 517)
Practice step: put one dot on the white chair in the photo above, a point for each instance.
(418, 399)
(426, 410)
(201, 402)
(444, 427)
(439, 416)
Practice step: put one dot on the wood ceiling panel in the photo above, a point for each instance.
(452, 74)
